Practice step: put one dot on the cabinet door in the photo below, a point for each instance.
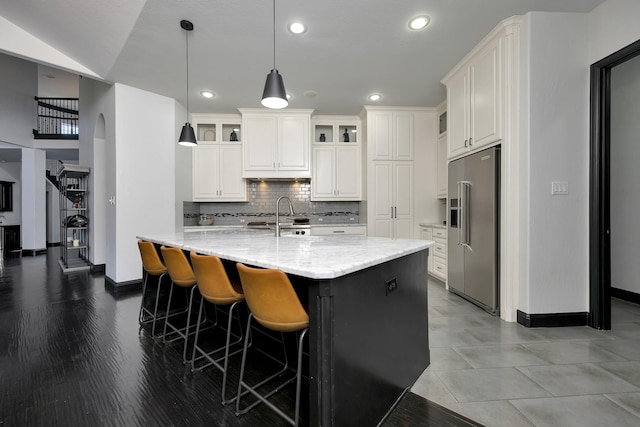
(485, 99)
(381, 180)
(441, 168)
(259, 143)
(232, 186)
(205, 172)
(457, 114)
(403, 199)
(322, 183)
(380, 135)
(426, 233)
(293, 147)
(348, 173)
(403, 136)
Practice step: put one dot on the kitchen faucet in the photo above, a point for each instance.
(278, 213)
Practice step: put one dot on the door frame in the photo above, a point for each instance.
(599, 186)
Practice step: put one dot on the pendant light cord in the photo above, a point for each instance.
(274, 34)
(187, 50)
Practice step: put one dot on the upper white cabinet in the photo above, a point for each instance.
(389, 133)
(276, 144)
(217, 160)
(474, 99)
(217, 173)
(217, 128)
(336, 158)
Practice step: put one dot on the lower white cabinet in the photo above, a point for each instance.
(336, 173)
(437, 264)
(217, 173)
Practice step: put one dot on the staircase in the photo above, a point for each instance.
(57, 118)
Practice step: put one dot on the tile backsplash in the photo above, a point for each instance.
(262, 202)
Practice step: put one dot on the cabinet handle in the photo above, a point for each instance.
(466, 142)
(470, 142)
(391, 211)
(338, 231)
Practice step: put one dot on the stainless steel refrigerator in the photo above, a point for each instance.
(474, 228)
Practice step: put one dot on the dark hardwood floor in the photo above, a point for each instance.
(72, 354)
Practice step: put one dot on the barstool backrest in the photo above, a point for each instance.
(272, 299)
(151, 261)
(178, 266)
(213, 282)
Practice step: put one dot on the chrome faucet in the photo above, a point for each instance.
(278, 213)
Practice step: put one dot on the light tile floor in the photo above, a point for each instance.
(503, 374)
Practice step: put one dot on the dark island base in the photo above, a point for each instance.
(368, 341)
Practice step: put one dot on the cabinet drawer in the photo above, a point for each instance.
(439, 268)
(440, 249)
(440, 232)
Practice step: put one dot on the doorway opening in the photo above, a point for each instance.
(600, 183)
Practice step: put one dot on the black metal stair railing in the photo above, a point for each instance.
(57, 118)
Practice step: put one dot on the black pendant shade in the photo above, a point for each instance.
(187, 136)
(274, 95)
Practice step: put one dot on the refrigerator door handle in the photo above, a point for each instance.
(459, 213)
(464, 188)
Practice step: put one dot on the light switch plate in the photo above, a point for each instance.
(559, 187)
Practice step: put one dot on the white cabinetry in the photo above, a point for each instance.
(217, 173)
(390, 134)
(217, 160)
(474, 100)
(336, 160)
(390, 205)
(437, 265)
(276, 145)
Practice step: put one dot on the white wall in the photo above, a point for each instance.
(33, 223)
(612, 26)
(98, 100)
(145, 178)
(558, 151)
(625, 175)
(18, 86)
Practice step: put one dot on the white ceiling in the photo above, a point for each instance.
(351, 49)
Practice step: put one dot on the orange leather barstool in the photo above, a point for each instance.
(181, 273)
(152, 265)
(217, 288)
(274, 304)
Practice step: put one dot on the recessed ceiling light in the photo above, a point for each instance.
(310, 93)
(207, 94)
(374, 97)
(297, 28)
(419, 22)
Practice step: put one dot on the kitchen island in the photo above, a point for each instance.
(367, 303)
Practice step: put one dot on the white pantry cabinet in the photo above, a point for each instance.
(336, 159)
(217, 173)
(276, 144)
(391, 205)
(474, 100)
(389, 133)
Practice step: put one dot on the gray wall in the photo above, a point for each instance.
(625, 175)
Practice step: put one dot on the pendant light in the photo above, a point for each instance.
(187, 136)
(274, 95)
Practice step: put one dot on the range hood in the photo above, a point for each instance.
(305, 180)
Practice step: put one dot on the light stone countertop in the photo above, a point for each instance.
(315, 257)
(432, 224)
